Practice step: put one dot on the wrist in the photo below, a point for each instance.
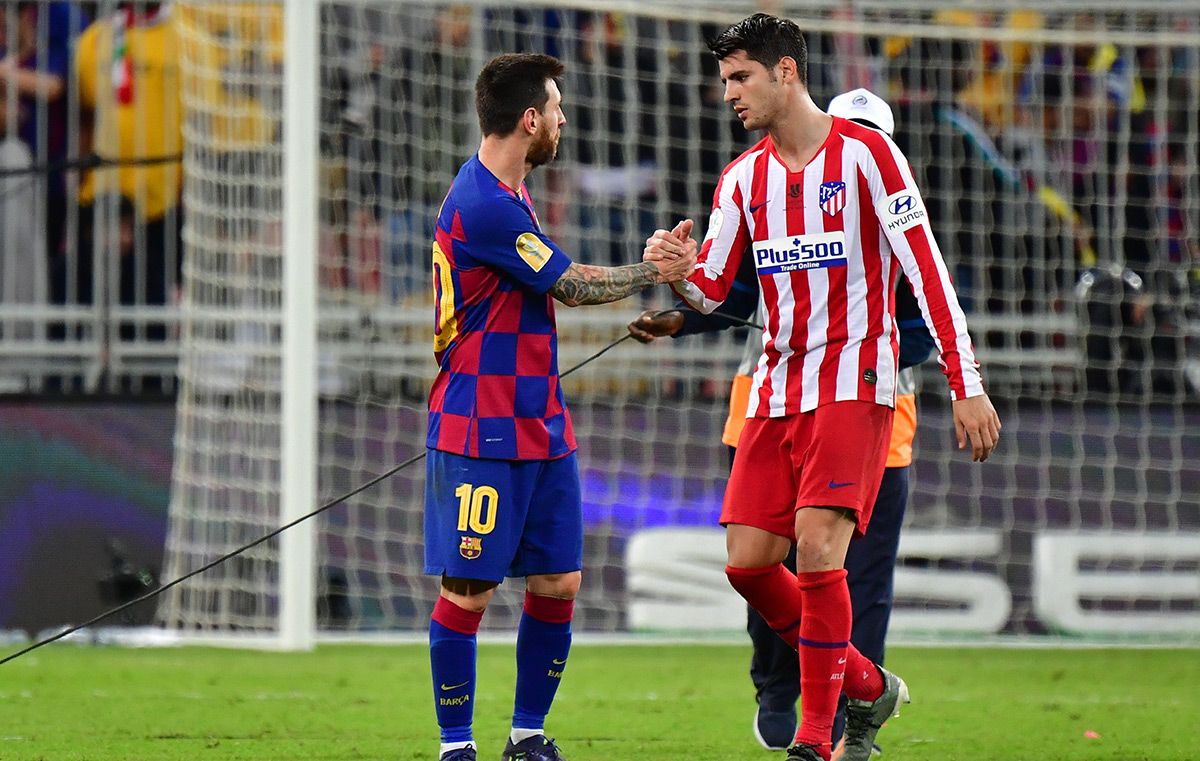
(656, 274)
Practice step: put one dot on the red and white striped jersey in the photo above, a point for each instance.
(824, 241)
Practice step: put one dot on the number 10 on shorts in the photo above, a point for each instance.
(477, 508)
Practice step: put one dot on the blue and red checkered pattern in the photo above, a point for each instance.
(497, 393)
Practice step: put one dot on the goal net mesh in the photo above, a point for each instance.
(1057, 150)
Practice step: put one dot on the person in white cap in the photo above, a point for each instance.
(864, 107)
(871, 559)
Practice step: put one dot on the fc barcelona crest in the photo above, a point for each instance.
(833, 197)
(471, 547)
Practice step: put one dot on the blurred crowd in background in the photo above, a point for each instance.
(1060, 168)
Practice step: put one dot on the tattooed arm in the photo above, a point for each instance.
(587, 284)
(674, 260)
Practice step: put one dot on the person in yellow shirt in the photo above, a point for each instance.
(127, 66)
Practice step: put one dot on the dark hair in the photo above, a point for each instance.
(508, 85)
(766, 39)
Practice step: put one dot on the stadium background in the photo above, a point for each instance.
(139, 354)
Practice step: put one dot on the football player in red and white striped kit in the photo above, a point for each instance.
(827, 212)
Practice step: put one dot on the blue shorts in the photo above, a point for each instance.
(488, 519)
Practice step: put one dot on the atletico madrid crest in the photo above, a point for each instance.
(833, 197)
(471, 547)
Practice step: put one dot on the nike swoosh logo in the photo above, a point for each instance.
(447, 688)
(756, 206)
(841, 661)
(835, 485)
(557, 662)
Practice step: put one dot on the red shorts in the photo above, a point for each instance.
(833, 456)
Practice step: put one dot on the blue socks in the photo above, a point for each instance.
(452, 648)
(543, 642)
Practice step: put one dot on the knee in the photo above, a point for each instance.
(561, 586)
(814, 548)
(822, 537)
(746, 557)
(468, 594)
(754, 548)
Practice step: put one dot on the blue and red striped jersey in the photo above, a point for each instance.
(497, 393)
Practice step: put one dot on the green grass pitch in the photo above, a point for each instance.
(646, 702)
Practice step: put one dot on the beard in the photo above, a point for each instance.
(543, 149)
(754, 123)
(760, 117)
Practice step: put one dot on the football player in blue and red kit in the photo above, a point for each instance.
(502, 494)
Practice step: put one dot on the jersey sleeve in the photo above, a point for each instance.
(505, 238)
(905, 221)
(721, 253)
(742, 302)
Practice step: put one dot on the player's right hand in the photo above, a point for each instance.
(668, 244)
(654, 323)
(673, 252)
(976, 423)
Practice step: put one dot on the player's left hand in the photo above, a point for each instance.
(975, 419)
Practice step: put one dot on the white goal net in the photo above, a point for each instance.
(1057, 149)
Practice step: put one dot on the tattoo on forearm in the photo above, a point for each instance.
(587, 284)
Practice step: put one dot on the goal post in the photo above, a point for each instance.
(1057, 151)
(298, 427)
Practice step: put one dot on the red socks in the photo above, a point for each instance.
(550, 610)
(771, 591)
(828, 662)
(455, 618)
(863, 680)
(826, 657)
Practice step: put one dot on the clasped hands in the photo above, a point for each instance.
(673, 252)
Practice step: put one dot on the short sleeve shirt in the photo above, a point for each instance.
(497, 393)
